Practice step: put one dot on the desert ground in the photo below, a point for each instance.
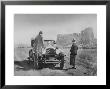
(86, 64)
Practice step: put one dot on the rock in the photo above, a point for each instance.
(66, 39)
(87, 36)
(83, 39)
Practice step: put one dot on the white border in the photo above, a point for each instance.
(100, 79)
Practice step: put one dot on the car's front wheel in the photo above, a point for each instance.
(61, 63)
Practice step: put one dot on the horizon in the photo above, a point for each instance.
(43, 40)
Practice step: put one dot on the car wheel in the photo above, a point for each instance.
(61, 63)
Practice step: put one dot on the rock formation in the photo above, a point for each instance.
(85, 38)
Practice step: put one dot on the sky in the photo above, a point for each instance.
(27, 26)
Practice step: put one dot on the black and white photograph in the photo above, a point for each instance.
(55, 45)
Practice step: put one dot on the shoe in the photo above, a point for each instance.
(73, 67)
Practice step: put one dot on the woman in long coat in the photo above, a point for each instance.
(38, 43)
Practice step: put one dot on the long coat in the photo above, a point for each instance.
(73, 50)
(38, 44)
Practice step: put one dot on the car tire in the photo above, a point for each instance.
(61, 63)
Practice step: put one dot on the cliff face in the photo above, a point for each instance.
(84, 38)
(66, 39)
(87, 36)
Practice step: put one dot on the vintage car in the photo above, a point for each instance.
(52, 57)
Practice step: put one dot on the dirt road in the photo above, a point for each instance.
(22, 68)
